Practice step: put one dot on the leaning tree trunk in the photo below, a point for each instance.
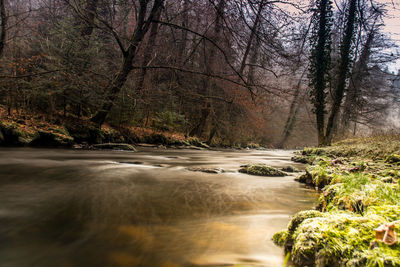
(293, 111)
(345, 54)
(358, 74)
(148, 52)
(115, 86)
(251, 38)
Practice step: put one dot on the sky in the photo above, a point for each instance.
(392, 27)
(392, 21)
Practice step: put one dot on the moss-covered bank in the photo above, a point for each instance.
(42, 131)
(359, 182)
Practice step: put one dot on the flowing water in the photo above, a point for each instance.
(145, 208)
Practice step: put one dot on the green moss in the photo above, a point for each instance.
(302, 159)
(279, 238)
(360, 181)
(261, 170)
(338, 238)
(299, 217)
(313, 151)
(382, 255)
(393, 158)
(59, 130)
(294, 223)
(333, 239)
(16, 134)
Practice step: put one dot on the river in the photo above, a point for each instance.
(113, 208)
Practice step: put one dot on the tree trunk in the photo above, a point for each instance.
(345, 54)
(114, 88)
(148, 52)
(320, 64)
(359, 72)
(251, 38)
(208, 84)
(3, 18)
(185, 22)
(291, 119)
(90, 11)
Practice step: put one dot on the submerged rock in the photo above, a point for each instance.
(115, 146)
(261, 170)
(205, 170)
(132, 162)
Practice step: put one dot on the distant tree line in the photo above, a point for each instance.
(272, 72)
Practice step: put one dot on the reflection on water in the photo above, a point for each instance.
(101, 208)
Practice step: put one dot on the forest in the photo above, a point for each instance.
(230, 73)
(163, 133)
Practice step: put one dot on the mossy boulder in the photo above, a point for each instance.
(308, 151)
(340, 239)
(285, 238)
(156, 138)
(261, 170)
(280, 238)
(15, 134)
(318, 175)
(299, 217)
(306, 178)
(88, 133)
(302, 159)
(111, 136)
(115, 146)
(52, 139)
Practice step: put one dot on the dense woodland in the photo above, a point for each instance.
(278, 73)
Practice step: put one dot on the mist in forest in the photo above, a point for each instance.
(231, 73)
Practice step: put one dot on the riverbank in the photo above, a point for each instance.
(354, 223)
(41, 130)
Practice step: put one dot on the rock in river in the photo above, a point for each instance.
(261, 170)
(206, 170)
(115, 146)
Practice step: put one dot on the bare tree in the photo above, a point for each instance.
(3, 18)
(144, 20)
